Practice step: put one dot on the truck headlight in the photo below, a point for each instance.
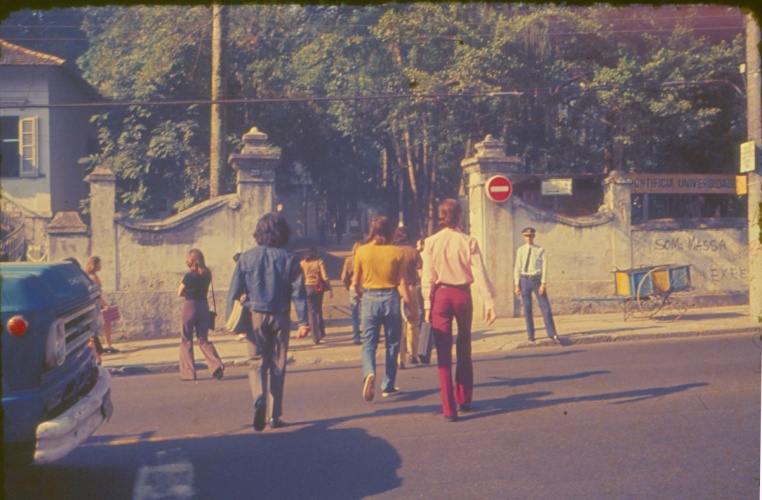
(55, 353)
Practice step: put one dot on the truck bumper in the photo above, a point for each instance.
(58, 437)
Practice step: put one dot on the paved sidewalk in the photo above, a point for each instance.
(161, 356)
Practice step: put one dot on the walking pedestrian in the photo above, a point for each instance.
(242, 334)
(92, 267)
(271, 279)
(452, 262)
(317, 283)
(354, 301)
(379, 281)
(411, 315)
(94, 342)
(195, 317)
(530, 276)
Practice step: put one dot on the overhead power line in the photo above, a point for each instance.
(536, 92)
(628, 20)
(417, 37)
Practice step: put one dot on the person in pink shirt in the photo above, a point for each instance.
(452, 262)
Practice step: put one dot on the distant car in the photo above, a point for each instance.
(54, 395)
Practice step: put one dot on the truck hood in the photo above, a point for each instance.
(31, 286)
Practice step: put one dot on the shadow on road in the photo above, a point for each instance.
(314, 461)
(535, 400)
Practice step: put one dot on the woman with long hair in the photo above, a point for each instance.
(195, 317)
(92, 267)
(317, 283)
(451, 263)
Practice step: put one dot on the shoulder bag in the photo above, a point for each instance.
(213, 312)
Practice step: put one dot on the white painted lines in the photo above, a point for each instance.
(171, 477)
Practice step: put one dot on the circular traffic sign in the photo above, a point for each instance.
(498, 188)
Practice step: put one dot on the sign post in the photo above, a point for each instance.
(498, 188)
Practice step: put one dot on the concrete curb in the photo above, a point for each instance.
(173, 367)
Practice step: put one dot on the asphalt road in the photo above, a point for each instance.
(664, 419)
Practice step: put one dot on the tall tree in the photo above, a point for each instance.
(158, 152)
(368, 98)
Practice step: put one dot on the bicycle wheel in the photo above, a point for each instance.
(650, 301)
(676, 304)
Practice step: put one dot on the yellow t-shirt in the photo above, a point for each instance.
(379, 266)
(312, 269)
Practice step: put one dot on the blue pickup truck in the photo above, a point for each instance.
(54, 395)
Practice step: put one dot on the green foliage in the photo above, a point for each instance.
(582, 94)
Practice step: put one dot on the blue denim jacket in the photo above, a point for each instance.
(271, 278)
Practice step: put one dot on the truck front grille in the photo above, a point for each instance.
(80, 325)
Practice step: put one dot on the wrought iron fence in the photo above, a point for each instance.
(12, 233)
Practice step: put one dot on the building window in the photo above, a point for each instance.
(9, 146)
(20, 146)
(28, 148)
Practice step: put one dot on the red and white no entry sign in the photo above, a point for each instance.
(498, 188)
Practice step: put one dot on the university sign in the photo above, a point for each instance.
(683, 183)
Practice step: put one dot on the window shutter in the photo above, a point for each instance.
(28, 147)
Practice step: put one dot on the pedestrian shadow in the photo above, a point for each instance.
(515, 382)
(541, 354)
(536, 400)
(698, 315)
(315, 461)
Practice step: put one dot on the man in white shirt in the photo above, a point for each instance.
(530, 274)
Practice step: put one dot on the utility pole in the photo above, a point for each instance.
(401, 198)
(217, 125)
(754, 180)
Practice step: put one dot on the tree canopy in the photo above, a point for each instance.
(366, 97)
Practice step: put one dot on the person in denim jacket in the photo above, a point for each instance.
(272, 279)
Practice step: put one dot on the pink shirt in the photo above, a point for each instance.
(453, 258)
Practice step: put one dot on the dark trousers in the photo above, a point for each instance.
(315, 313)
(448, 304)
(196, 317)
(528, 286)
(267, 345)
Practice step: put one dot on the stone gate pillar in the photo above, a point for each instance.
(68, 236)
(492, 223)
(618, 199)
(255, 177)
(102, 224)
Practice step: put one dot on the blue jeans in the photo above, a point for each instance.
(529, 286)
(354, 306)
(381, 308)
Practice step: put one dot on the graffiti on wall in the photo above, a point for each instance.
(690, 244)
(717, 257)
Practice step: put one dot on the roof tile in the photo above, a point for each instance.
(13, 55)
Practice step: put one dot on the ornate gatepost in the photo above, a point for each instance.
(618, 200)
(68, 237)
(102, 223)
(255, 176)
(492, 223)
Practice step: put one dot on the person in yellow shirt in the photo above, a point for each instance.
(378, 272)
